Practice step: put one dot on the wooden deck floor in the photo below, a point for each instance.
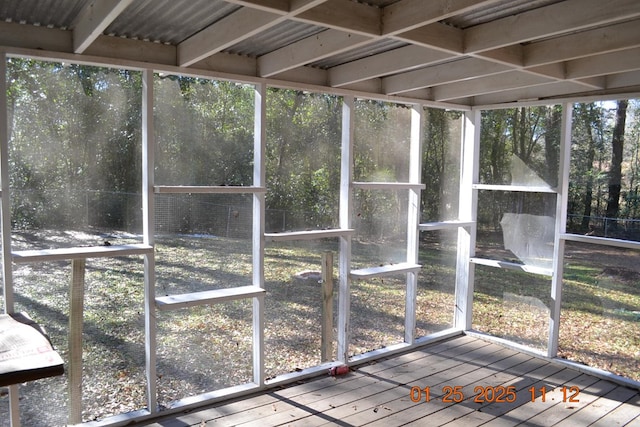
(379, 394)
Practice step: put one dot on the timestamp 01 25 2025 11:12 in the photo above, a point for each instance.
(490, 394)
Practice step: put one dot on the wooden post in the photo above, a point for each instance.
(326, 350)
(76, 307)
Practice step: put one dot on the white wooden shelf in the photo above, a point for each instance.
(444, 225)
(215, 189)
(518, 188)
(387, 186)
(385, 270)
(80, 253)
(173, 302)
(600, 241)
(512, 266)
(307, 235)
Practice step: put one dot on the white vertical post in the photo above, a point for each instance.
(148, 218)
(344, 263)
(259, 180)
(5, 213)
(413, 222)
(468, 204)
(561, 226)
(76, 321)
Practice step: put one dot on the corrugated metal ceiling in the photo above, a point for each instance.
(168, 21)
(46, 13)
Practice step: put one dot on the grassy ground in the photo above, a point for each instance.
(209, 348)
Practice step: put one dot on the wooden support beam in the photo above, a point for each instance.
(76, 315)
(326, 347)
(93, 19)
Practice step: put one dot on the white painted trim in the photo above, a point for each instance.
(385, 270)
(468, 211)
(517, 188)
(5, 225)
(148, 226)
(207, 189)
(561, 227)
(38, 255)
(512, 266)
(445, 225)
(346, 207)
(258, 241)
(618, 243)
(415, 186)
(307, 235)
(413, 220)
(215, 296)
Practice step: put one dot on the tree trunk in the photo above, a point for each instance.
(591, 155)
(615, 172)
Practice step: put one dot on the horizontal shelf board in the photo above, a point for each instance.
(519, 188)
(629, 244)
(189, 189)
(307, 235)
(385, 270)
(512, 266)
(444, 225)
(193, 299)
(388, 185)
(79, 253)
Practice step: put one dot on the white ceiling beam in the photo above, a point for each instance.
(257, 16)
(243, 23)
(350, 16)
(437, 36)
(508, 55)
(529, 93)
(558, 18)
(32, 37)
(598, 82)
(623, 80)
(585, 43)
(272, 6)
(93, 19)
(449, 72)
(310, 49)
(483, 85)
(394, 61)
(610, 63)
(407, 15)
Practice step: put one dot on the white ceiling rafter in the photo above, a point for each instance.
(240, 25)
(93, 19)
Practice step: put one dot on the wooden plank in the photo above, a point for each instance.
(308, 235)
(326, 346)
(385, 270)
(388, 185)
(622, 415)
(396, 407)
(600, 406)
(378, 393)
(61, 254)
(353, 389)
(512, 266)
(208, 189)
(517, 188)
(173, 302)
(445, 225)
(551, 410)
(76, 308)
